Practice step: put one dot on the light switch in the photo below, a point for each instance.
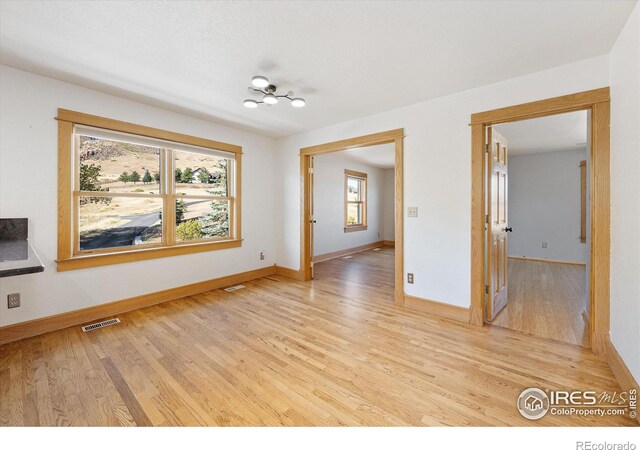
(412, 211)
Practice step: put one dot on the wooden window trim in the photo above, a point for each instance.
(352, 228)
(69, 258)
(583, 202)
(359, 227)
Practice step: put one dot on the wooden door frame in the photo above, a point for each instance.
(386, 137)
(598, 102)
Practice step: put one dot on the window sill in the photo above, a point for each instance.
(105, 259)
(355, 228)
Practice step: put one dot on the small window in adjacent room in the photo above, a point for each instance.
(355, 196)
(142, 193)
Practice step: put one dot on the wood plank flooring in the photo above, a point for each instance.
(335, 351)
(546, 299)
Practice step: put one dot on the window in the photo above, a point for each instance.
(355, 201)
(129, 192)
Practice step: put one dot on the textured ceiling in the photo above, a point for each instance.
(348, 59)
(546, 134)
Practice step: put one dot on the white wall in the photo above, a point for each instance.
(544, 205)
(329, 235)
(437, 168)
(625, 193)
(28, 151)
(389, 202)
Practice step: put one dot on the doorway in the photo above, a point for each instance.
(597, 103)
(307, 156)
(536, 233)
(352, 208)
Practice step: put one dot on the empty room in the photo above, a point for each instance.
(351, 210)
(340, 219)
(539, 196)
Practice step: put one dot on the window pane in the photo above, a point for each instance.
(353, 189)
(201, 219)
(354, 214)
(114, 166)
(200, 174)
(107, 222)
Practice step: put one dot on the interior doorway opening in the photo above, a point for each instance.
(307, 156)
(352, 207)
(537, 207)
(597, 103)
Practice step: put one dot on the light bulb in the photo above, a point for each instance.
(260, 81)
(270, 99)
(250, 103)
(298, 102)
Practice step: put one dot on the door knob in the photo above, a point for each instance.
(508, 229)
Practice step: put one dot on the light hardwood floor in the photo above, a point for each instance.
(335, 351)
(546, 299)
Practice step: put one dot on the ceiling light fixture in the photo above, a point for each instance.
(269, 97)
(260, 81)
(250, 103)
(298, 102)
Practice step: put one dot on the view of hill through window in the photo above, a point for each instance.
(110, 219)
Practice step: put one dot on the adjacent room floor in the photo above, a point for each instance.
(546, 300)
(335, 351)
(372, 267)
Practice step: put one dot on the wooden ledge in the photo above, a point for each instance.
(105, 259)
(355, 228)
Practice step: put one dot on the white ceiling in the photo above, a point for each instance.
(546, 134)
(349, 59)
(382, 156)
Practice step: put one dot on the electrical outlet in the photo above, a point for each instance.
(261, 256)
(13, 300)
(412, 211)
(544, 245)
(410, 278)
